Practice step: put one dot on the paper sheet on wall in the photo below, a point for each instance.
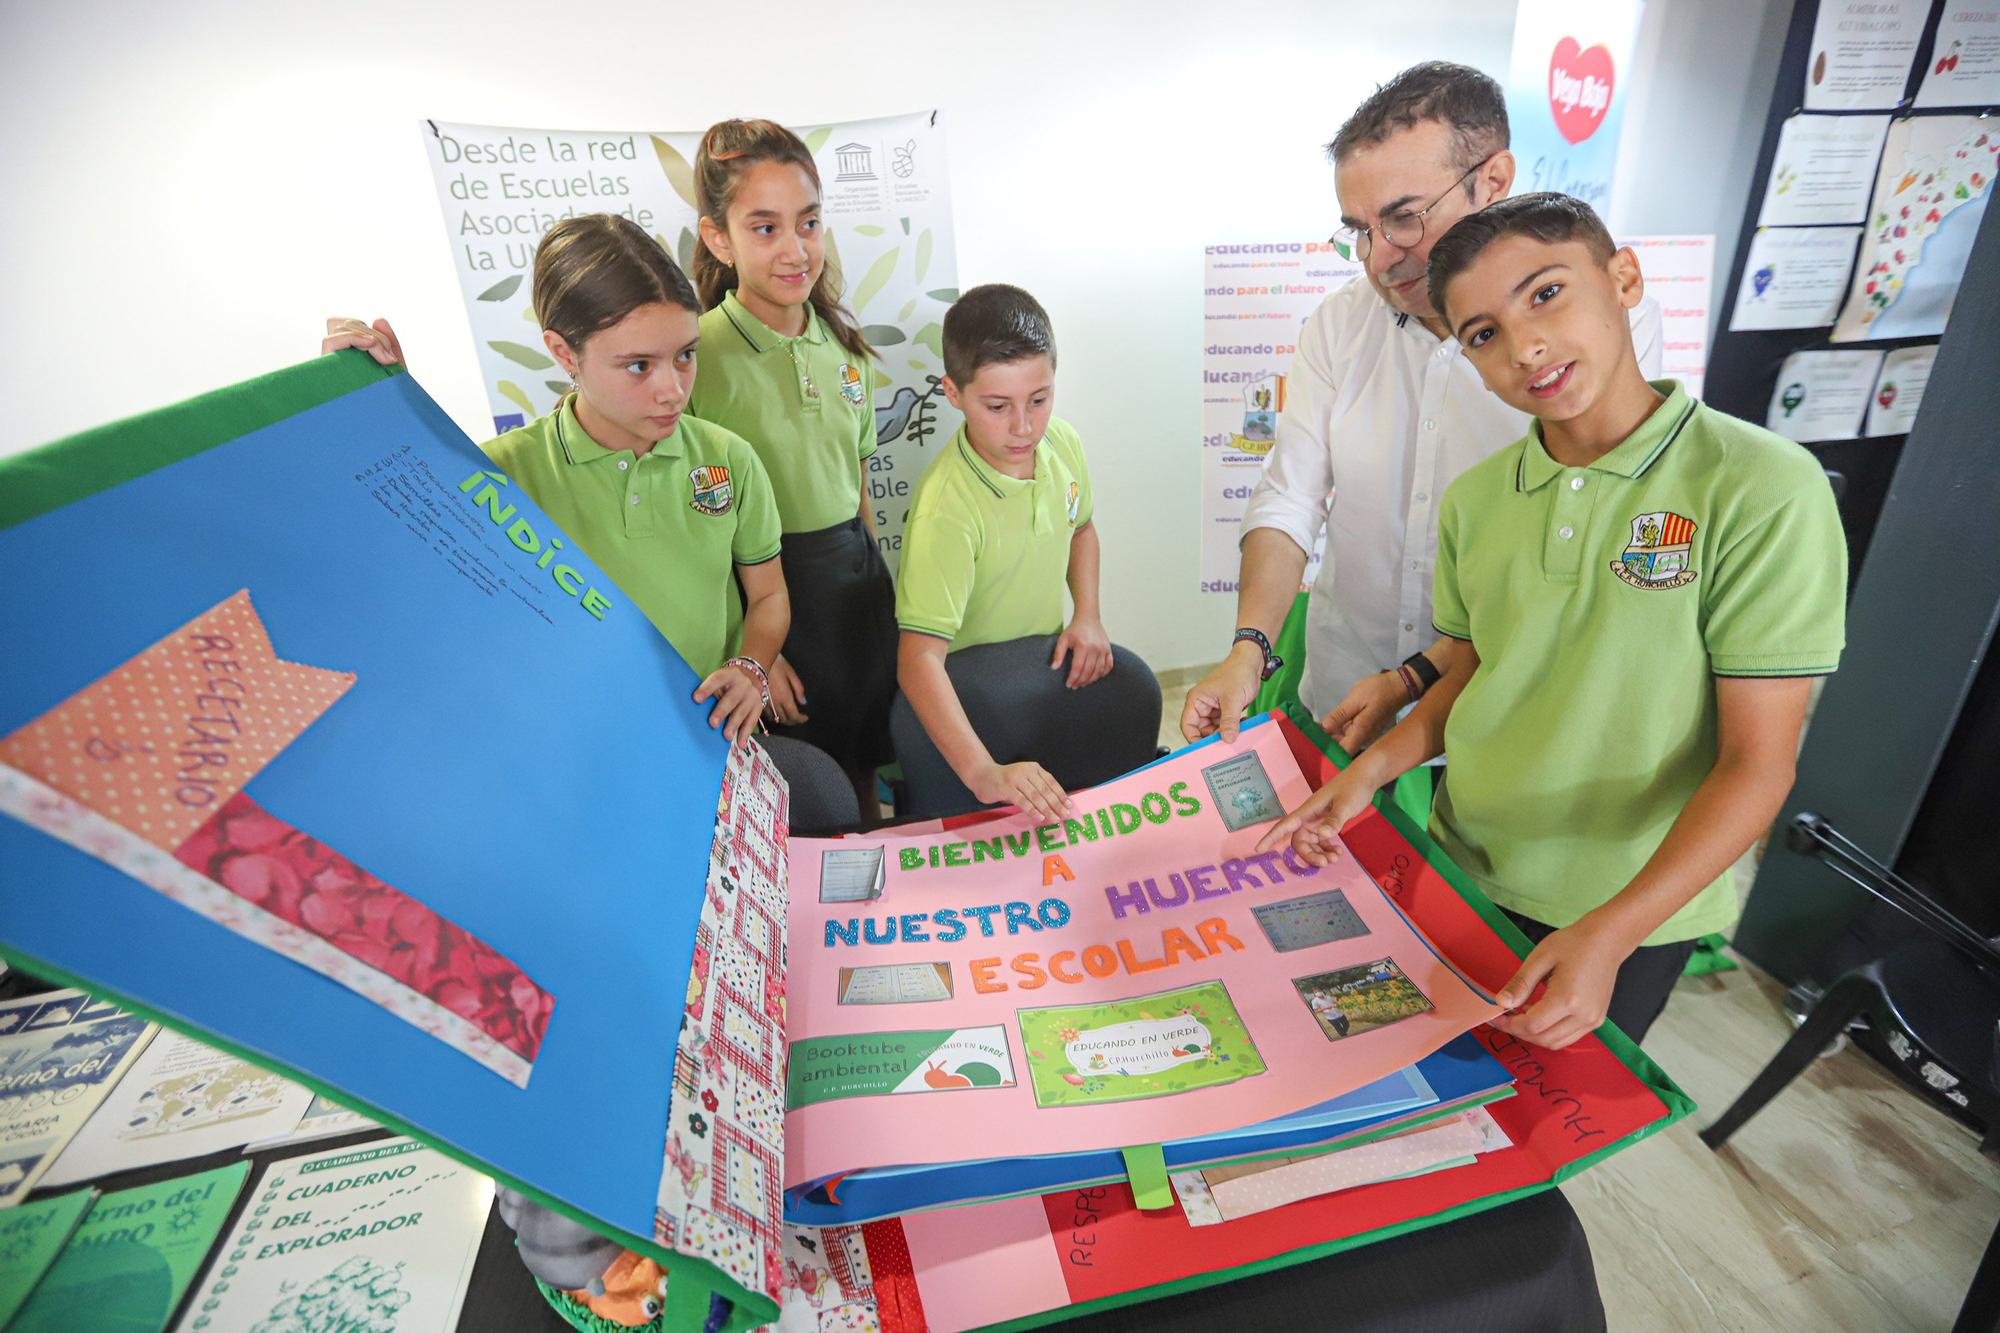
(1964, 68)
(1861, 53)
(1823, 171)
(1892, 410)
(180, 1099)
(1822, 395)
(1930, 194)
(60, 1054)
(1113, 983)
(1793, 277)
(1680, 275)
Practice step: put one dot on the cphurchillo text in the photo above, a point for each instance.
(523, 535)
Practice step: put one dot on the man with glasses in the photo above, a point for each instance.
(1382, 412)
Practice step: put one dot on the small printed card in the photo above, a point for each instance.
(1243, 792)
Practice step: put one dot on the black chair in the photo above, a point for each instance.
(1932, 1007)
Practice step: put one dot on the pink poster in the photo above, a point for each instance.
(1133, 974)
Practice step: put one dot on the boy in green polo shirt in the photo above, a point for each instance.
(1639, 592)
(999, 525)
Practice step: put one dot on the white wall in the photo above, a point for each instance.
(192, 186)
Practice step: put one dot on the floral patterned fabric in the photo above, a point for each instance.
(302, 881)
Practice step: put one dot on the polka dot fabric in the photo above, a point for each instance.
(160, 744)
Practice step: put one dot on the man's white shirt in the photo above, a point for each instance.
(1379, 418)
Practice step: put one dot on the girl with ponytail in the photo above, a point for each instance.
(785, 366)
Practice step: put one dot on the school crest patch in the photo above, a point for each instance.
(1071, 500)
(1658, 554)
(850, 384)
(712, 491)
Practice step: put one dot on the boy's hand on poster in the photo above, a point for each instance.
(1369, 709)
(738, 700)
(1314, 828)
(1576, 968)
(788, 694)
(378, 339)
(1027, 785)
(1219, 700)
(1089, 650)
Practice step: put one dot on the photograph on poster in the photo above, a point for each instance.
(1302, 923)
(1361, 999)
(895, 983)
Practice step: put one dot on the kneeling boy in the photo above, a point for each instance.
(999, 524)
(1637, 592)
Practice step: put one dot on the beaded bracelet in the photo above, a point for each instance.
(750, 666)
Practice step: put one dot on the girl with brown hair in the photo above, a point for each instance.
(786, 367)
(677, 511)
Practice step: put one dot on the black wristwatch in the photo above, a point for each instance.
(1427, 675)
(1271, 660)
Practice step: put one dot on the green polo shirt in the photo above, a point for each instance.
(668, 526)
(985, 555)
(806, 404)
(1603, 602)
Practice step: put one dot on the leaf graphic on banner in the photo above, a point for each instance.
(919, 365)
(817, 139)
(558, 387)
(512, 393)
(909, 308)
(883, 335)
(867, 229)
(528, 313)
(679, 174)
(876, 278)
(932, 336)
(519, 355)
(923, 254)
(685, 249)
(906, 226)
(502, 289)
(944, 294)
(833, 264)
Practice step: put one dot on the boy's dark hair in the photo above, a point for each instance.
(1469, 101)
(993, 324)
(1547, 217)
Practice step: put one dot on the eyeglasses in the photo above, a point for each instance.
(1403, 228)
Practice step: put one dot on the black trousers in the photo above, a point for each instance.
(842, 643)
(1022, 710)
(1644, 981)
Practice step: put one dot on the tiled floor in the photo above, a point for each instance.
(1848, 1203)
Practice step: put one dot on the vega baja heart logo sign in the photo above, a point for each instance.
(1580, 85)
